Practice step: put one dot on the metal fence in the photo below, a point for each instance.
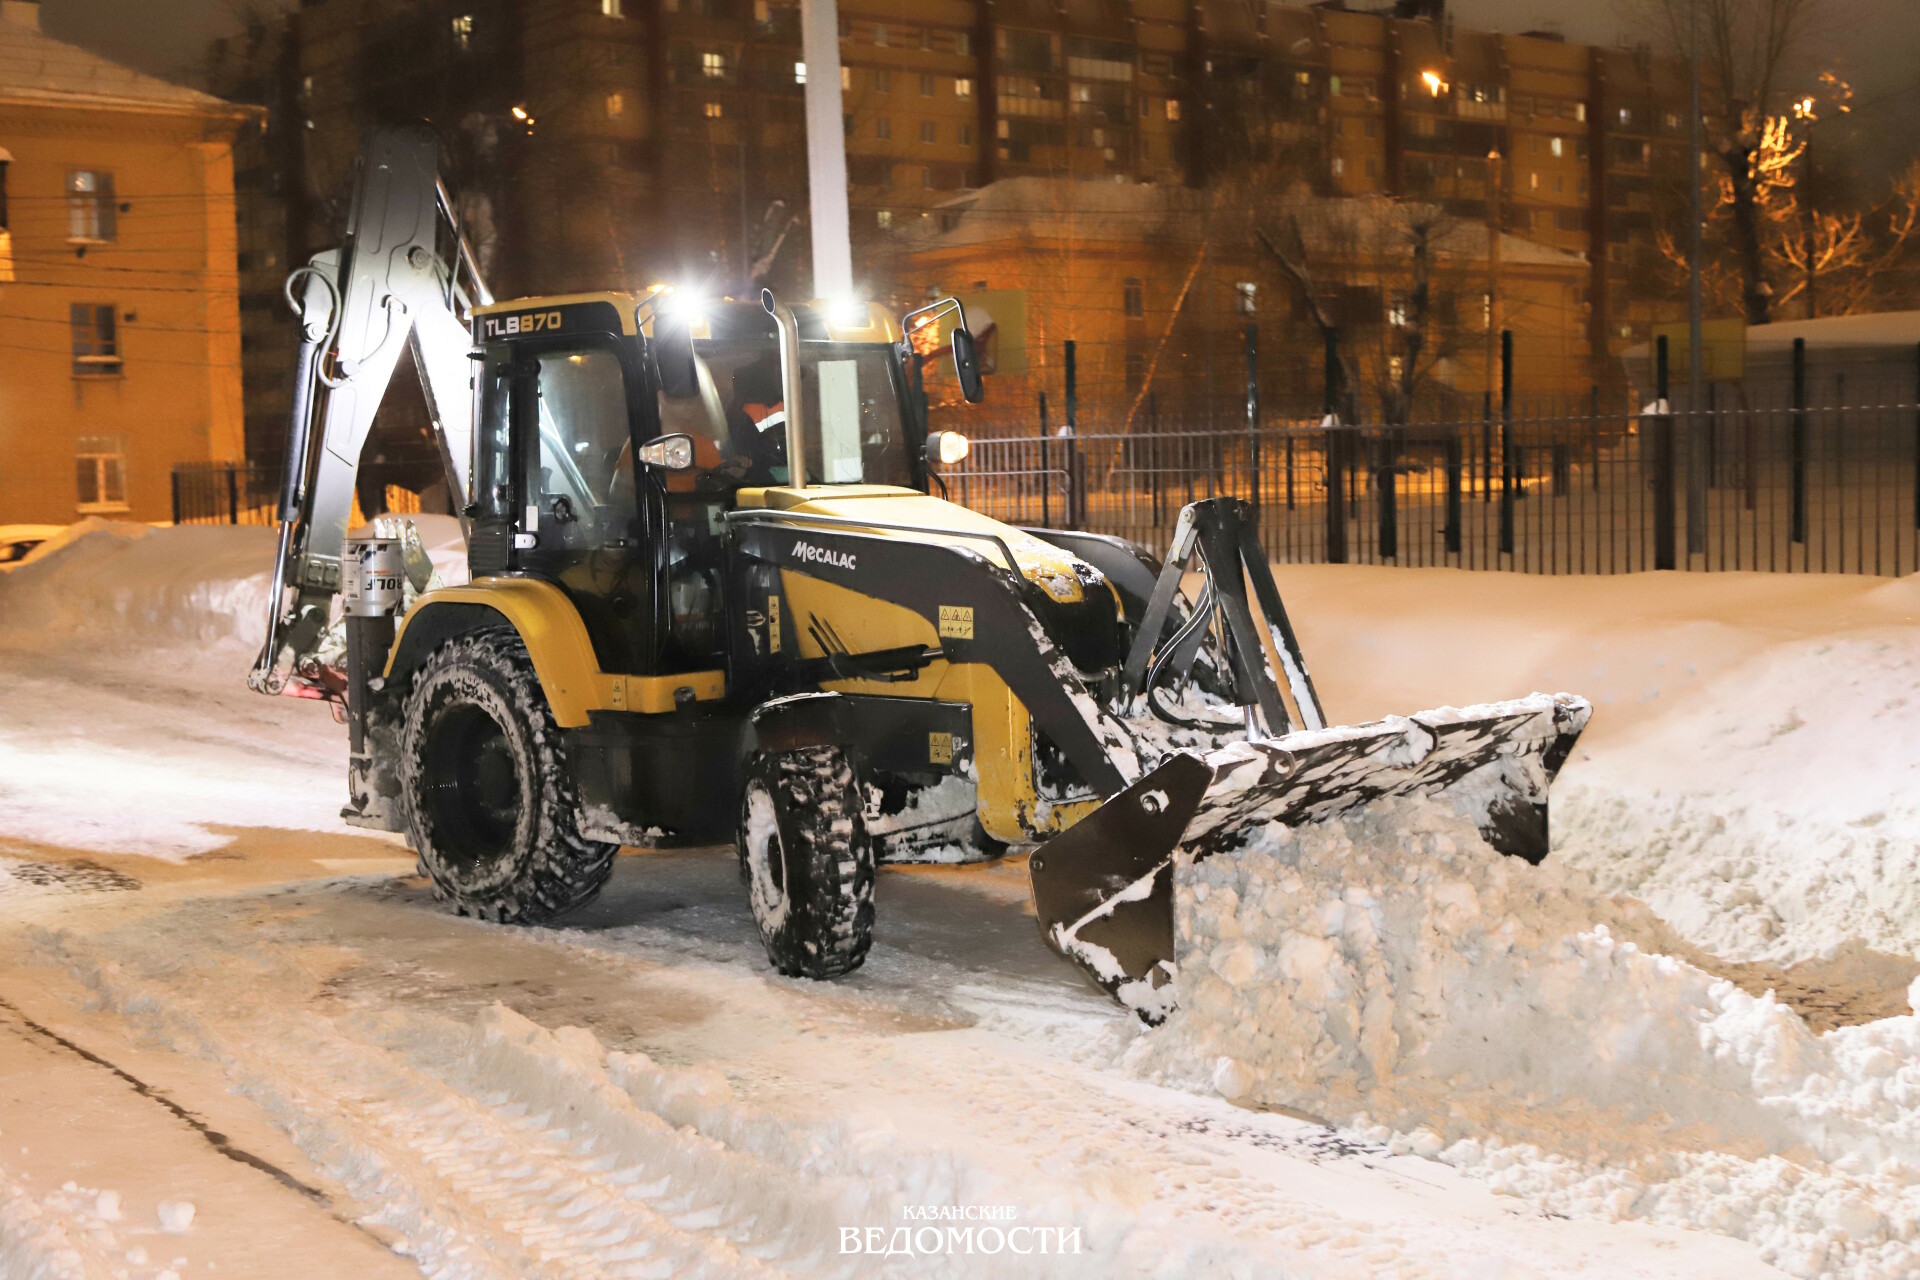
(1769, 488)
(224, 493)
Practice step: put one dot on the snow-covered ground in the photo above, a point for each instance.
(1398, 1054)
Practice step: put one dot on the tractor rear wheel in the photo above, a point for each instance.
(490, 802)
(808, 861)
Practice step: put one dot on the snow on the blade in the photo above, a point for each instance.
(1395, 975)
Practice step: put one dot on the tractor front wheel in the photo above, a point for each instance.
(808, 861)
(489, 798)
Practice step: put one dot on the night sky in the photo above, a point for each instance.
(1876, 43)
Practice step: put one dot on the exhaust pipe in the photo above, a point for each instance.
(789, 385)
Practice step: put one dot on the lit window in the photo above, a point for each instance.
(1580, 111)
(713, 65)
(1245, 296)
(1339, 166)
(883, 128)
(1173, 108)
(1132, 299)
(713, 111)
(929, 132)
(963, 87)
(611, 8)
(1397, 310)
(96, 346)
(883, 218)
(463, 31)
(926, 85)
(1395, 366)
(799, 73)
(1533, 182)
(1557, 146)
(100, 473)
(880, 36)
(846, 78)
(90, 206)
(616, 105)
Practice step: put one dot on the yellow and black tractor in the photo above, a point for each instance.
(713, 596)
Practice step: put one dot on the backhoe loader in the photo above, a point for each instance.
(712, 596)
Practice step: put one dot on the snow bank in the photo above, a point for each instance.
(112, 584)
(1751, 767)
(119, 586)
(1396, 975)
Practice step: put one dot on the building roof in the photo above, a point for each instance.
(1874, 331)
(34, 67)
(1045, 208)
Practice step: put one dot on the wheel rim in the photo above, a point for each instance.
(472, 787)
(766, 856)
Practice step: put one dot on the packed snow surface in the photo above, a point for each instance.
(1393, 974)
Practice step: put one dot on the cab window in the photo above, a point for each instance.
(579, 484)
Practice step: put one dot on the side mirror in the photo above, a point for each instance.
(966, 365)
(673, 358)
(669, 453)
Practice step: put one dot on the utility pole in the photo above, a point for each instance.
(1696, 395)
(826, 150)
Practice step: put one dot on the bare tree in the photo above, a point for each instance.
(1747, 51)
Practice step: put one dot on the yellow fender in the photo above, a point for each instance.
(557, 641)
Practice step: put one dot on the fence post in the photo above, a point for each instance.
(1663, 556)
(1593, 434)
(233, 494)
(1335, 449)
(1046, 468)
(1798, 445)
(1506, 441)
(1486, 446)
(1453, 490)
(1074, 513)
(174, 476)
(1387, 480)
(1253, 419)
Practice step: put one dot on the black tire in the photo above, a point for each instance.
(490, 803)
(809, 861)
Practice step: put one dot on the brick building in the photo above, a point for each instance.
(118, 297)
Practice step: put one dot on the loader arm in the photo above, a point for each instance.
(403, 278)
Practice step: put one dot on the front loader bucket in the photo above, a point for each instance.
(1103, 890)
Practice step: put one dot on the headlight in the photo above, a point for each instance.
(944, 448)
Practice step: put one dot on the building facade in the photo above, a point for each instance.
(119, 303)
(616, 143)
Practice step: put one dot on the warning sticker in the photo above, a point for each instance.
(956, 622)
(939, 748)
(773, 624)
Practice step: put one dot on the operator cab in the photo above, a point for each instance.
(571, 391)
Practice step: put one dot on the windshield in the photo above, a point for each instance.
(854, 431)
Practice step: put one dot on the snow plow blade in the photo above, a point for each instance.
(1103, 890)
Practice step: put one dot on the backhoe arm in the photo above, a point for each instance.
(403, 277)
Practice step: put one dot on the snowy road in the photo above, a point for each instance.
(211, 992)
(406, 1078)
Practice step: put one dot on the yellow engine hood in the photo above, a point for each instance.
(1062, 575)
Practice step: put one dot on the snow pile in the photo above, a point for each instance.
(1396, 975)
(119, 586)
(1751, 769)
(112, 584)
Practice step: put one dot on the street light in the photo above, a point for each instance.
(1436, 84)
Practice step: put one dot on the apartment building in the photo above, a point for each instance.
(631, 141)
(118, 296)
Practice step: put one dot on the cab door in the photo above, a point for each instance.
(566, 488)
